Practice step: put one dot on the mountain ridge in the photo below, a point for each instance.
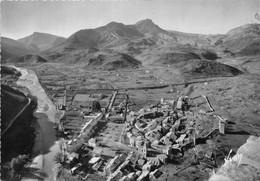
(139, 39)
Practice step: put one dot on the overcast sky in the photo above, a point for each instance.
(22, 18)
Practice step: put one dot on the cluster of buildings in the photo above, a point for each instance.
(156, 135)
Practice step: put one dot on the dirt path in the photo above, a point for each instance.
(47, 116)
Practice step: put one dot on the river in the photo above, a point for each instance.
(47, 114)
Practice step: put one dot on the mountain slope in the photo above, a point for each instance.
(208, 68)
(41, 41)
(148, 43)
(113, 61)
(12, 48)
(20, 135)
(29, 58)
(243, 40)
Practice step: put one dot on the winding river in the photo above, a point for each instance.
(47, 114)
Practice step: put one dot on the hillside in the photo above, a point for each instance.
(197, 68)
(12, 48)
(41, 41)
(9, 71)
(19, 137)
(144, 41)
(113, 35)
(113, 62)
(243, 40)
(27, 58)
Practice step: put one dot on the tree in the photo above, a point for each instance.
(60, 159)
(59, 172)
(18, 163)
(96, 106)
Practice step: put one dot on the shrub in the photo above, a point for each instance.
(18, 163)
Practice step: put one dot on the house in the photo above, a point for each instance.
(97, 151)
(180, 140)
(123, 138)
(132, 176)
(154, 161)
(97, 165)
(73, 155)
(139, 141)
(222, 126)
(163, 158)
(132, 141)
(116, 176)
(147, 166)
(143, 176)
(94, 160)
(179, 102)
(155, 174)
(62, 107)
(75, 168)
(92, 142)
(124, 178)
(114, 163)
(141, 162)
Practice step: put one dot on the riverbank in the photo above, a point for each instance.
(46, 142)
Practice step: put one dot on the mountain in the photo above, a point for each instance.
(12, 48)
(116, 34)
(147, 42)
(112, 34)
(41, 41)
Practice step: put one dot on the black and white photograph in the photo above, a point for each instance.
(130, 90)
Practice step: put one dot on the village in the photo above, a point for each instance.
(117, 144)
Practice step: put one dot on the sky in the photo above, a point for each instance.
(63, 18)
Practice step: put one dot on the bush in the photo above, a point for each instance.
(75, 147)
(96, 106)
(18, 163)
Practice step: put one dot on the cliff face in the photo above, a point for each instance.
(17, 133)
(245, 165)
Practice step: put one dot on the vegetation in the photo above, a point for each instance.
(60, 160)
(96, 106)
(17, 164)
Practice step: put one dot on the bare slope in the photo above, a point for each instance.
(243, 40)
(41, 41)
(12, 48)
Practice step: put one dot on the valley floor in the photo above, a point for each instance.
(235, 98)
